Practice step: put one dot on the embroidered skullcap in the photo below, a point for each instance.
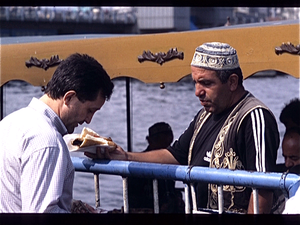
(215, 56)
(160, 127)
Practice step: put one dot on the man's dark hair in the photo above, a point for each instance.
(292, 130)
(291, 111)
(83, 74)
(225, 74)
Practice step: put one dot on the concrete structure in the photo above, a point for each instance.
(163, 19)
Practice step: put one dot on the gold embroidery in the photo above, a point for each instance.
(218, 149)
(230, 161)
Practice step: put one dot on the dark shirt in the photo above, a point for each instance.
(245, 142)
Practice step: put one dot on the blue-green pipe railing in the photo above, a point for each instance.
(288, 183)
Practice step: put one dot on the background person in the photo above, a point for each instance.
(291, 154)
(140, 190)
(291, 149)
(290, 114)
(233, 130)
(290, 117)
(36, 169)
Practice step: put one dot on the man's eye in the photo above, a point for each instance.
(295, 158)
(206, 83)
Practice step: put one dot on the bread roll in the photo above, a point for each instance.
(89, 137)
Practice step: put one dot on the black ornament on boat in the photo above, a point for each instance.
(160, 57)
(43, 63)
(288, 48)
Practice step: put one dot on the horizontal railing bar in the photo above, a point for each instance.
(286, 182)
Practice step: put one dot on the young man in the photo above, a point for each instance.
(233, 130)
(291, 149)
(35, 165)
(290, 117)
(291, 154)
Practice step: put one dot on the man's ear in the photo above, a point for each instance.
(68, 97)
(233, 81)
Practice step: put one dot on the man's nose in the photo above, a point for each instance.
(289, 163)
(88, 119)
(199, 91)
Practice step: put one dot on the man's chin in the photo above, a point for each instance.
(208, 109)
(70, 130)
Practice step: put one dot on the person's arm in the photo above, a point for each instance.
(154, 156)
(265, 200)
(260, 141)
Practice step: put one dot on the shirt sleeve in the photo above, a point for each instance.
(43, 177)
(258, 141)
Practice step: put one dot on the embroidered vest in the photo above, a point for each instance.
(223, 154)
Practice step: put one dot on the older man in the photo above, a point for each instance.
(233, 130)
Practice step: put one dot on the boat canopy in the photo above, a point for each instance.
(153, 58)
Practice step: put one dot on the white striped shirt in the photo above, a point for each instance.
(36, 169)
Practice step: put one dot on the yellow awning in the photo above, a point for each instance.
(123, 55)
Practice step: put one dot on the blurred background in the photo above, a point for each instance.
(30, 21)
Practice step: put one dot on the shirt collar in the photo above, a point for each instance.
(45, 110)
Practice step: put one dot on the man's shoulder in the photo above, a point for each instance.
(253, 109)
(253, 102)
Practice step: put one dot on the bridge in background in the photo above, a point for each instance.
(30, 21)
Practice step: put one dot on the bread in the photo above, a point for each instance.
(88, 137)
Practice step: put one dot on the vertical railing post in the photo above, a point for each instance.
(97, 190)
(155, 196)
(220, 199)
(187, 198)
(194, 200)
(128, 114)
(125, 194)
(255, 201)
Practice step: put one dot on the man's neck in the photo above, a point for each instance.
(53, 104)
(240, 93)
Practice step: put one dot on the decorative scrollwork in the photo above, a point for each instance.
(288, 48)
(161, 57)
(43, 63)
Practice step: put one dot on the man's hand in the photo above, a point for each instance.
(81, 207)
(104, 153)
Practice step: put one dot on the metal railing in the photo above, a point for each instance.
(288, 183)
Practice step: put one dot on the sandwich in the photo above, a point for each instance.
(88, 138)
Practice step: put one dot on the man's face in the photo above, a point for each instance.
(214, 96)
(291, 149)
(75, 112)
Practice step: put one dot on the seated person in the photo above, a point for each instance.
(291, 153)
(140, 190)
(289, 116)
(290, 149)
